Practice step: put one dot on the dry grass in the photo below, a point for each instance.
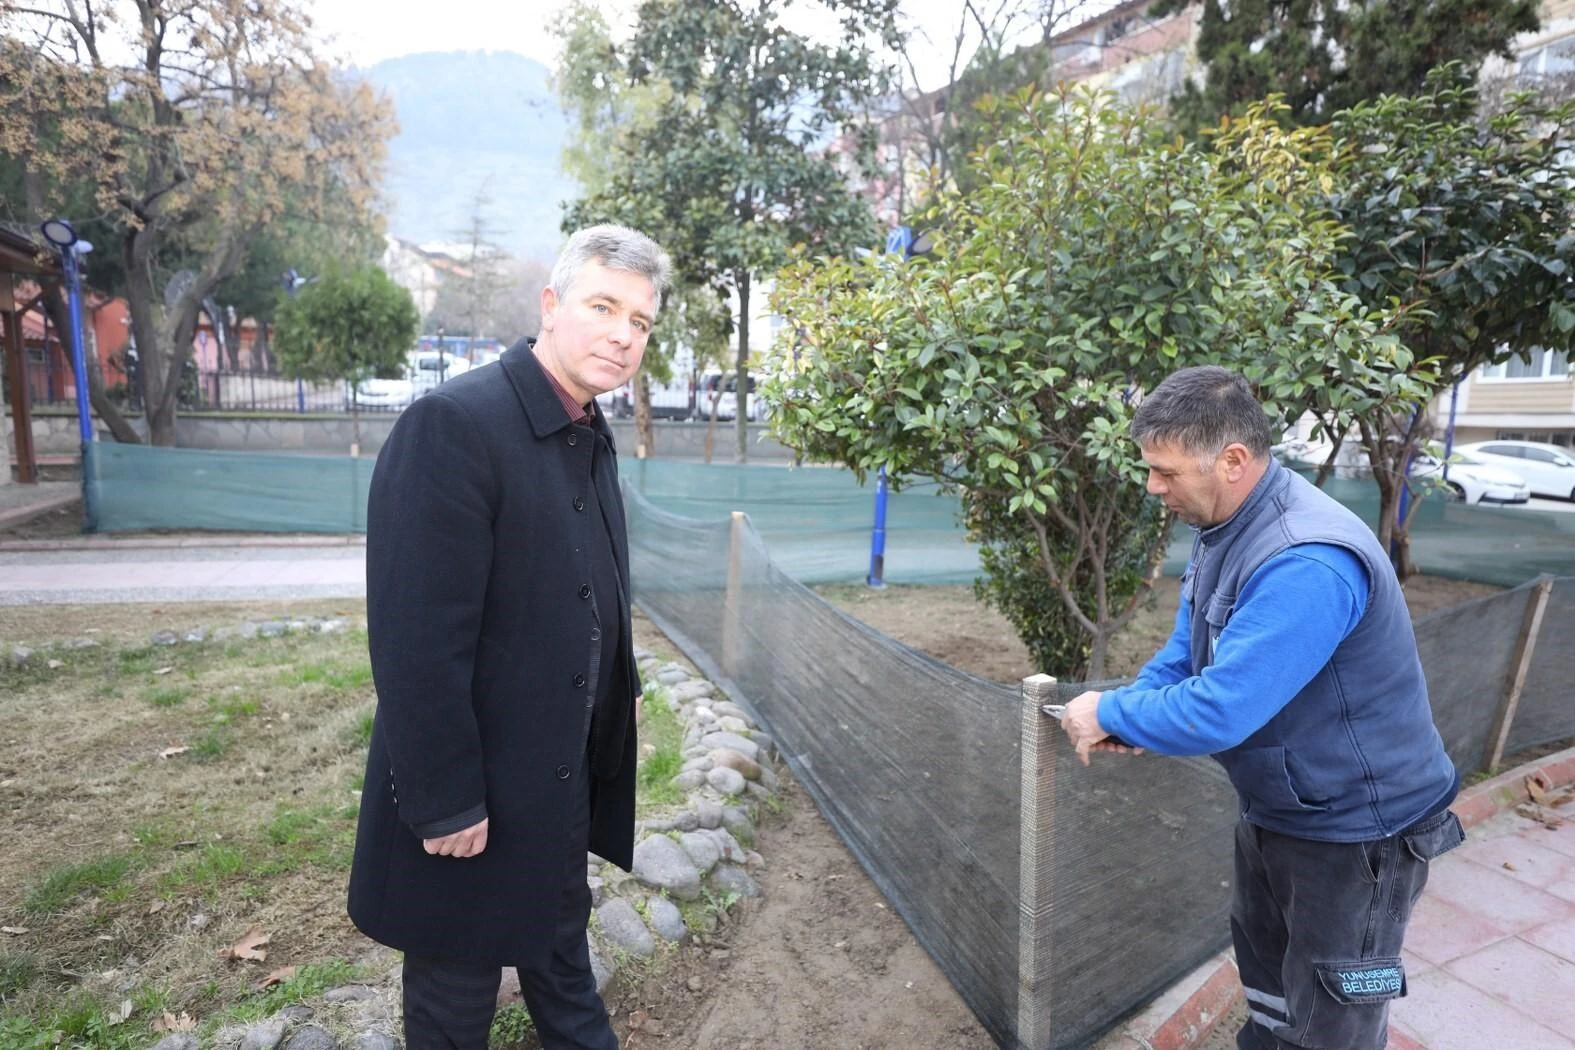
(130, 871)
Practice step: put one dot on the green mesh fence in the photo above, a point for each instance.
(1056, 898)
(816, 520)
(138, 487)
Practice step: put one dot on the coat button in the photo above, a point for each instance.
(579, 681)
(573, 440)
(585, 590)
(596, 634)
(579, 504)
(563, 772)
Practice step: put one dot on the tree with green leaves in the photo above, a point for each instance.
(350, 325)
(1467, 224)
(1094, 258)
(1327, 55)
(733, 166)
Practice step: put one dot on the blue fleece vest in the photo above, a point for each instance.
(1355, 755)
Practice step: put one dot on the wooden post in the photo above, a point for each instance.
(1037, 874)
(16, 376)
(1530, 627)
(732, 598)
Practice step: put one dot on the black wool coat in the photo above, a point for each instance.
(485, 641)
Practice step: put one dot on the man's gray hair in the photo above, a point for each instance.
(1202, 410)
(617, 248)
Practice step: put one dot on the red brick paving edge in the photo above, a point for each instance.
(1185, 1027)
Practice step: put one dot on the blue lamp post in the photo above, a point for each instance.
(63, 237)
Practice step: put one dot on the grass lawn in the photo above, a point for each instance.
(162, 801)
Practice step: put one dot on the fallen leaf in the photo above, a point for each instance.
(163, 670)
(171, 752)
(279, 976)
(171, 1023)
(638, 1018)
(55, 665)
(157, 906)
(1537, 787)
(249, 947)
(15, 931)
(1510, 867)
(121, 1013)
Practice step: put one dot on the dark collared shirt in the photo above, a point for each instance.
(577, 412)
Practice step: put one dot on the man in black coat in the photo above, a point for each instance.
(501, 643)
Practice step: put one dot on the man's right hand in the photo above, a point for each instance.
(465, 843)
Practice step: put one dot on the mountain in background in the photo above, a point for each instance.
(475, 121)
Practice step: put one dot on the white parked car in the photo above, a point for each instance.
(383, 394)
(424, 371)
(1472, 479)
(1547, 469)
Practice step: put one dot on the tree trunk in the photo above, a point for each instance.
(261, 354)
(741, 399)
(59, 311)
(644, 437)
(146, 314)
(1098, 653)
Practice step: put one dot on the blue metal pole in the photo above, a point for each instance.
(79, 371)
(300, 395)
(877, 574)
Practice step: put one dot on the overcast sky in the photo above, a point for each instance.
(368, 31)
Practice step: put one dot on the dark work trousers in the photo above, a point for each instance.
(449, 1005)
(1318, 927)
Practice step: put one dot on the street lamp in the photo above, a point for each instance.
(60, 234)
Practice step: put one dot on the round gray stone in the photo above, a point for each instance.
(672, 677)
(703, 716)
(598, 889)
(165, 638)
(349, 993)
(702, 848)
(727, 707)
(179, 1041)
(731, 879)
(769, 779)
(662, 863)
(694, 689)
(748, 748)
(710, 813)
(688, 820)
(376, 1041)
(666, 919)
(729, 724)
(622, 926)
(727, 781)
(691, 781)
(737, 821)
(264, 1035)
(311, 1038)
(731, 851)
(601, 969)
(703, 764)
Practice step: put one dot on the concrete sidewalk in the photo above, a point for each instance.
(1490, 956)
(95, 570)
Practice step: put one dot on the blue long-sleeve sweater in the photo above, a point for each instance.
(1288, 620)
